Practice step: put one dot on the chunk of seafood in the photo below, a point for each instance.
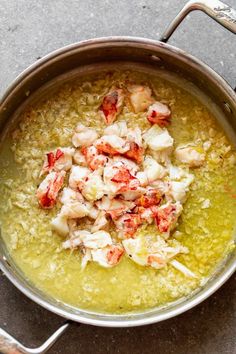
(157, 138)
(176, 173)
(140, 97)
(125, 180)
(72, 243)
(109, 256)
(152, 171)
(132, 195)
(178, 189)
(157, 254)
(115, 207)
(119, 129)
(127, 225)
(118, 179)
(114, 254)
(84, 136)
(190, 154)
(79, 158)
(135, 152)
(59, 160)
(49, 188)
(77, 176)
(135, 136)
(167, 217)
(159, 113)
(69, 195)
(133, 248)
(60, 225)
(74, 210)
(131, 165)
(162, 186)
(156, 261)
(93, 187)
(179, 183)
(100, 222)
(112, 145)
(151, 197)
(86, 257)
(147, 214)
(98, 239)
(93, 210)
(163, 156)
(112, 104)
(76, 240)
(93, 158)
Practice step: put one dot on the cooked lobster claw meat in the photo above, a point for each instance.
(112, 145)
(114, 254)
(167, 217)
(111, 105)
(59, 160)
(49, 188)
(109, 256)
(135, 152)
(140, 97)
(159, 113)
(151, 197)
(127, 225)
(93, 158)
(125, 180)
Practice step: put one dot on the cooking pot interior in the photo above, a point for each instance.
(94, 57)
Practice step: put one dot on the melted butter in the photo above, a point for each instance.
(207, 232)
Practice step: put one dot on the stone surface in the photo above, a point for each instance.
(31, 29)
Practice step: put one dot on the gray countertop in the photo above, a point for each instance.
(31, 29)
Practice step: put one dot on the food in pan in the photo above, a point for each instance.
(118, 192)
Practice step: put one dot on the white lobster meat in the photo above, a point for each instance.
(140, 97)
(152, 171)
(190, 155)
(93, 187)
(84, 136)
(119, 129)
(77, 176)
(158, 139)
(115, 207)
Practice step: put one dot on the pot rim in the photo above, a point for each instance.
(115, 39)
(120, 320)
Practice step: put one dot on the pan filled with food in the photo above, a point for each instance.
(118, 180)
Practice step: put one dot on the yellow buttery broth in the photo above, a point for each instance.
(37, 250)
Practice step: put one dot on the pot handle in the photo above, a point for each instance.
(9, 345)
(219, 11)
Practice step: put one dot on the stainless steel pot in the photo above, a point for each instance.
(89, 56)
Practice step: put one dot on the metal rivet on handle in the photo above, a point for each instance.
(228, 108)
(155, 57)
